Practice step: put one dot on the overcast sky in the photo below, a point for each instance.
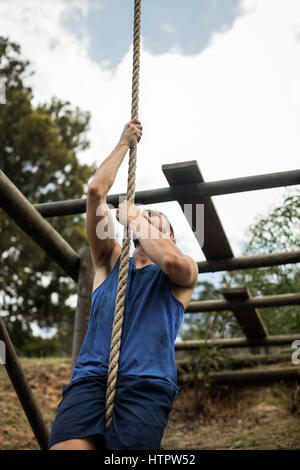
(220, 84)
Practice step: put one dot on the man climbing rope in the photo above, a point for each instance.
(160, 284)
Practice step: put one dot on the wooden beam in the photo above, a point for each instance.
(249, 262)
(278, 340)
(248, 316)
(28, 219)
(262, 302)
(213, 240)
(182, 192)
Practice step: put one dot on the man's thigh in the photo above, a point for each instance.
(80, 414)
(140, 414)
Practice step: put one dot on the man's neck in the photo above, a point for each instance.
(141, 258)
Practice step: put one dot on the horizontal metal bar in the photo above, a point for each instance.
(61, 208)
(258, 302)
(179, 192)
(237, 342)
(248, 262)
(14, 203)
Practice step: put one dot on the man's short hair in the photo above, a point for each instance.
(157, 213)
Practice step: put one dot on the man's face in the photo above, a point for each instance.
(158, 220)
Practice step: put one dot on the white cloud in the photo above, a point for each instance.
(234, 108)
(167, 27)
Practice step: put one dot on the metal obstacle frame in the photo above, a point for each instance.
(186, 185)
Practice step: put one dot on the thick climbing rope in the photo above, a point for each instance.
(124, 259)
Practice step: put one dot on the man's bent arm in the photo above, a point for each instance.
(180, 269)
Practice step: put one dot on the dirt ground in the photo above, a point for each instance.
(240, 417)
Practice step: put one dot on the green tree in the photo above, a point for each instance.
(277, 231)
(38, 152)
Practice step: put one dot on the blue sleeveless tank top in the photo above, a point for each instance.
(152, 318)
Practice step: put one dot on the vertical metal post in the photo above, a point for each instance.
(84, 292)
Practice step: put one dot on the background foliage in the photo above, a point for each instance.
(38, 152)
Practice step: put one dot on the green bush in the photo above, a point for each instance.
(40, 347)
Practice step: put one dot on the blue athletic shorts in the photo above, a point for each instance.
(140, 414)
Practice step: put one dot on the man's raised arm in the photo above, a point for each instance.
(99, 223)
